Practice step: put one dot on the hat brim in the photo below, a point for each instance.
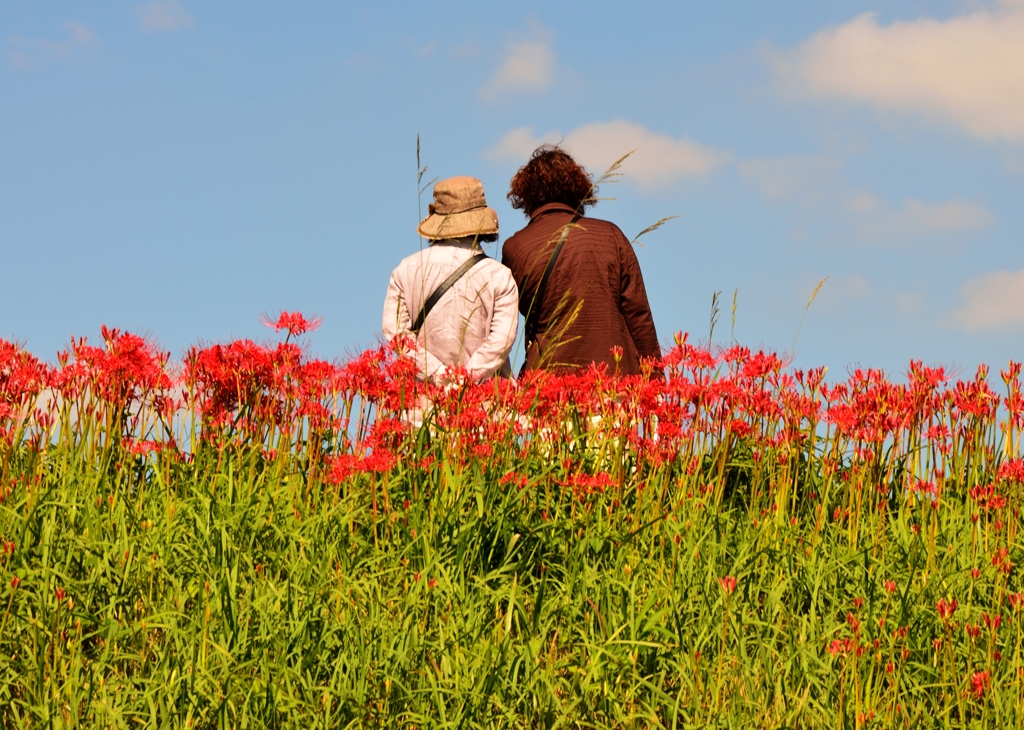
(479, 222)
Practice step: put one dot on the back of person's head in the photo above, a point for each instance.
(551, 176)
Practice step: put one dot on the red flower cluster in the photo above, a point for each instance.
(123, 373)
(22, 378)
(364, 416)
(980, 682)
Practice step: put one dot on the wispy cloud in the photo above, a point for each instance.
(992, 301)
(807, 180)
(528, 67)
(659, 159)
(81, 33)
(818, 187)
(164, 15)
(28, 52)
(968, 70)
(918, 218)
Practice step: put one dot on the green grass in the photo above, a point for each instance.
(561, 573)
(238, 598)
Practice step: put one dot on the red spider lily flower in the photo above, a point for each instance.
(516, 478)
(1012, 470)
(126, 371)
(1001, 559)
(22, 378)
(979, 684)
(1016, 600)
(341, 467)
(1011, 373)
(378, 462)
(853, 622)
(585, 485)
(60, 594)
(890, 587)
(728, 584)
(946, 608)
(992, 622)
(843, 646)
(15, 582)
(294, 322)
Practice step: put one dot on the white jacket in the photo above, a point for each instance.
(473, 325)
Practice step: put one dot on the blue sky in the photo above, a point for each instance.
(176, 168)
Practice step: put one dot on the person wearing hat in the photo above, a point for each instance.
(459, 305)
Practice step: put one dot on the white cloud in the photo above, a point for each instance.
(917, 218)
(28, 52)
(529, 66)
(166, 15)
(659, 159)
(968, 70)
(992, 301)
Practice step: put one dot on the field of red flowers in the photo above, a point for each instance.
(255, 537)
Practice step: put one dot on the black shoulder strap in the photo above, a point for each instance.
(445, 286)
(533, 322)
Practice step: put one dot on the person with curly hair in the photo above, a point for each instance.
(580, 287)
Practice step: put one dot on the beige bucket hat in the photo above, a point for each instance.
(459, 209)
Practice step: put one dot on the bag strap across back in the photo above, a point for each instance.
(533, 321)
(445, 286)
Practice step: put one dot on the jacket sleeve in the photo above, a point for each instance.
(396, 313)
(635, 308)
(397, 321)
(494, 350)
(511, 262)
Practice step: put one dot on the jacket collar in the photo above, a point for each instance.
(467, 242)
(552, 208)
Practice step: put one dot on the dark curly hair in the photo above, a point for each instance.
(551, 176)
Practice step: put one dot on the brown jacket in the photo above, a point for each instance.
(595, 298)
